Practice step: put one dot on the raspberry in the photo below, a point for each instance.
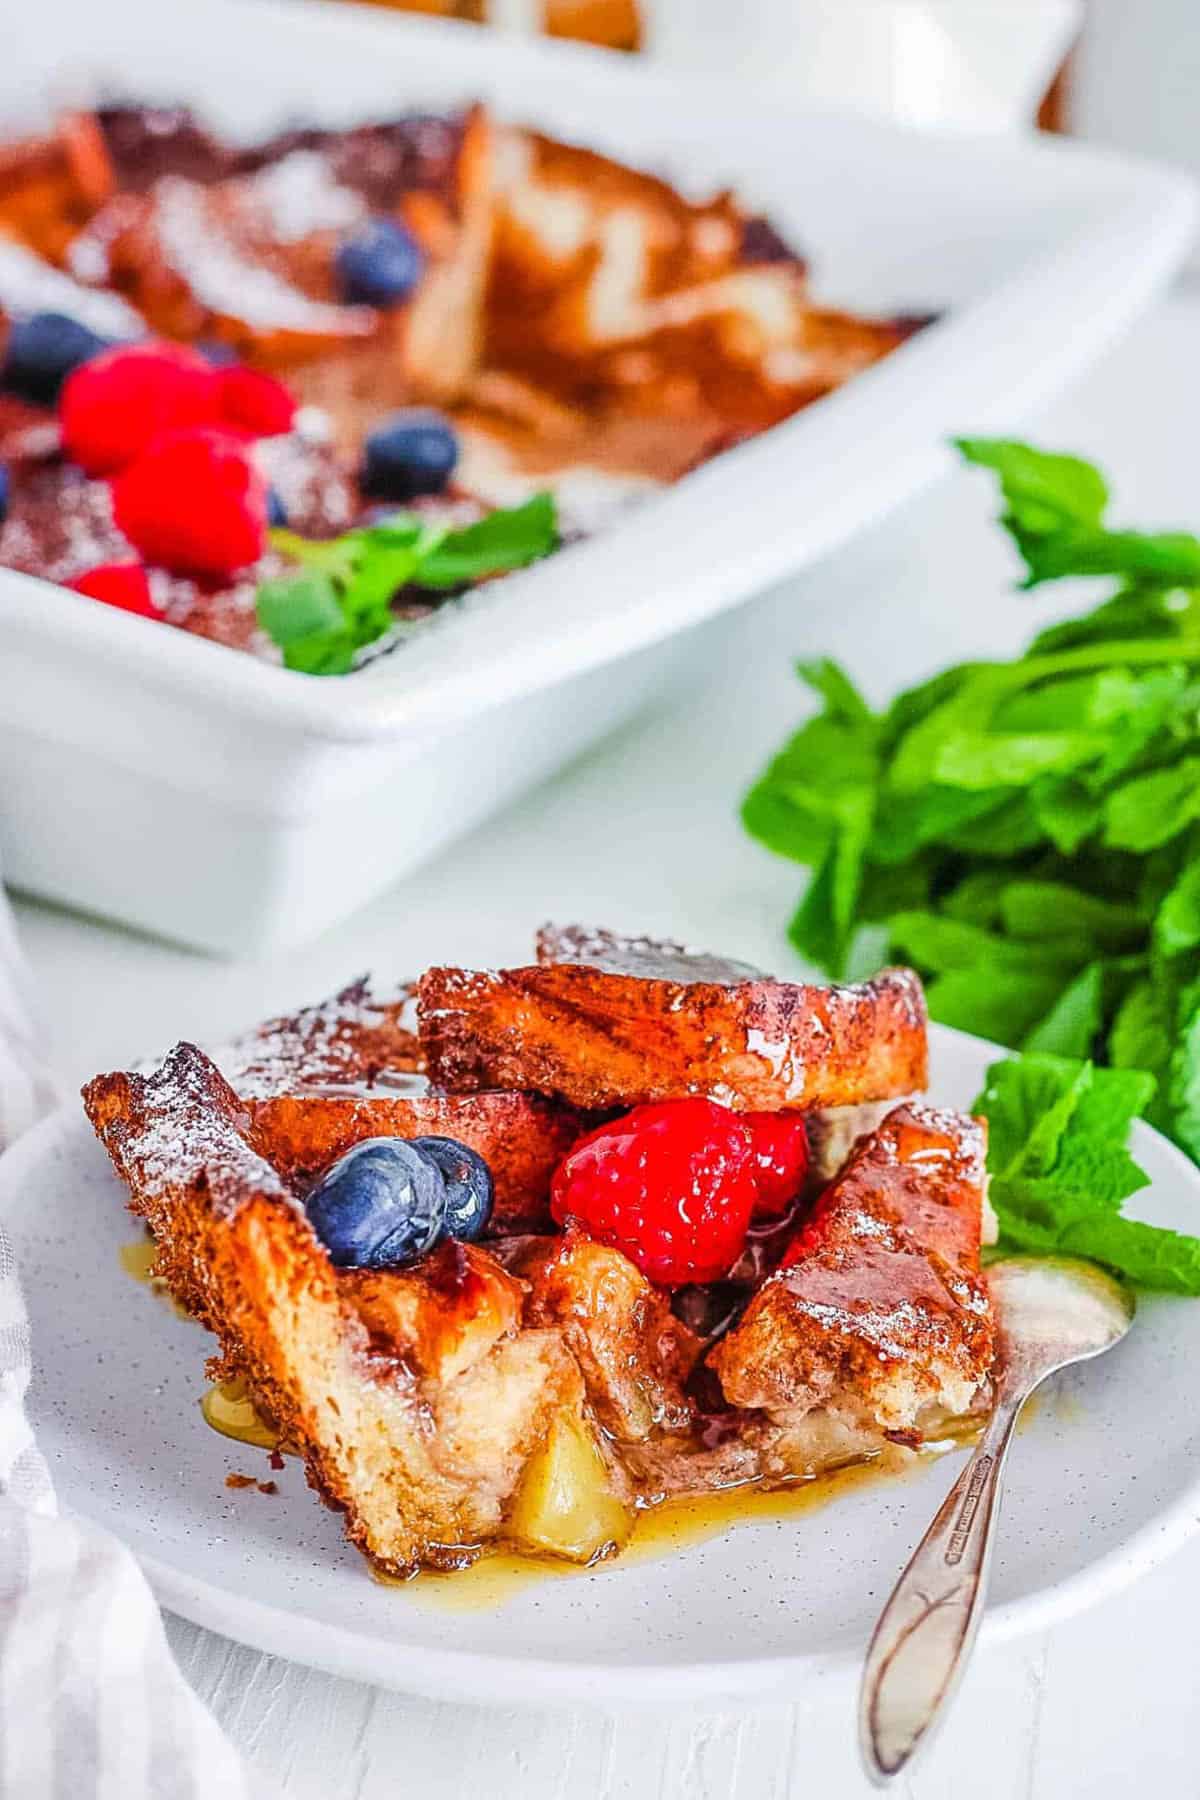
(255, 402)
(121, 584)
(779, 1144)
(114, 405)
(195, 503)
(670, 1185)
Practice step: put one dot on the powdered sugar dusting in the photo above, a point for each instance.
(352, 1043)
(180, 1129)
(225, 615)
(226, 281)
(890, 1330)
(779, 1055)
(653, 960)
(301, 195)
(315, 490)
(29, 285)
(60, 525)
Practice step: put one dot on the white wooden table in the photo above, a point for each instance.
(643, 834)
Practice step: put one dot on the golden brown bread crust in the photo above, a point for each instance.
(440, 1317)
(669, 329)
(880, 1309)
(613, 1035)
(421, 1465)
(521, 1137)
(50, 186)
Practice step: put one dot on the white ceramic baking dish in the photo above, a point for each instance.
(195, 792)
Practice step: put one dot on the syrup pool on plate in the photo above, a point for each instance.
(228, 1408)
(660, 1530)
(137, 1260)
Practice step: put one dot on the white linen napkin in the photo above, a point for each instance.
(92, 1705)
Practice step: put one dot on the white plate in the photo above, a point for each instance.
(132, 757)
(1105, 1481)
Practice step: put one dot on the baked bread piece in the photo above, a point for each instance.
(661, 328)
(51, 185)
(417, 1398)
(879, 1315)
(605, 1022)
(590, 329)
(351, 1067)
(239, 247)
(521, 1137)
(326, 1077)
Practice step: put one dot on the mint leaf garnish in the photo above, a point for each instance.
(1061, 1170)
(1054, 509)
(1073, 1022)
(1026, 833)
(307, 605)
(1150, 810)
(505, 540)
(342, 596)
(816, 804)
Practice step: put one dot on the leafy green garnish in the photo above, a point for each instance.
(1061, 1171)
(1026, 833)
(1054, 508)
(341, 598)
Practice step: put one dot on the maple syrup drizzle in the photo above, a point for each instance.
(660, 1530)
(137, 1260)
(228, 1408)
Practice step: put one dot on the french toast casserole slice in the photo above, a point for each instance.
(585, 328)
(534, 1388)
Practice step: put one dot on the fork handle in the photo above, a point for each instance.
(925, 1632)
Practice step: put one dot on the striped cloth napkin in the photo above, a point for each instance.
(92, 1705)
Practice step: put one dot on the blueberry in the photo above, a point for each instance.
(4, 492)
(42, 351)
(276, 510)
(469, 1187)
(413, 452)
(380, 265)
(380, 1205)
